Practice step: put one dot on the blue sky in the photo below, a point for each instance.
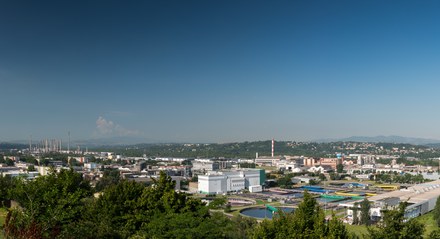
(219, 71)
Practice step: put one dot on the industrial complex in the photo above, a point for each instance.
(420, 198)
(219, 182)
(338, 183)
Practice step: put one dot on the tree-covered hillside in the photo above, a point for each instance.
(263, 148)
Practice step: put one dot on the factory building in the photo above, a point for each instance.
(331, 162)
(205, 165)
(421, 199)
(230, 181)
(266, 160)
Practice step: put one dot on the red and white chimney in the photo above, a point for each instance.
(273, 145)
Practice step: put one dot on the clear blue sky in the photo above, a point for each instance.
(219, 71)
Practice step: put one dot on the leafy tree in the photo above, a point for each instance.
(436, 211)
(308, 216)
(184, 184)
(9, 162)
(56, 156)
(194, 179)
(285, 181)
(334, 176)
(337, 229)
(242, 226)
(44, 162)
(6, 185)
(218, 202)
(308, 221)
(355, 210)
(47, 203)
(313, 182)
(278, 227)
(397, 178)
(247, 165)
(31, 168)
(129, 208)
(365, 212)
(118, 208)
(339, 168)
(28, 159)
(110, 177)
(412, 230)
(228, 207)
(434, 234)
(185, 225)
(394, 226)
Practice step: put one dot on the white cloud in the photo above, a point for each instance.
(106, 127)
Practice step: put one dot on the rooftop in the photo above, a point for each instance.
(415, 194)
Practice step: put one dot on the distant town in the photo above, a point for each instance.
(339, 175)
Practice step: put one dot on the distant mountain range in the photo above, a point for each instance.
(385, 139)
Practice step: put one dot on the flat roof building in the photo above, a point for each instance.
(421, 199)
(230, 181)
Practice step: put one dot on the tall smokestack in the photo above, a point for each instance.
(273, 145)
(68, 144)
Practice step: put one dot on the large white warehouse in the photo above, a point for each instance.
(230, 181)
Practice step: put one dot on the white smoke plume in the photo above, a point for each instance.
(106, 127)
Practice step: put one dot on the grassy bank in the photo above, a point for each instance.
(426, 220)
(357, 230)
(2, 220)
(429, 222)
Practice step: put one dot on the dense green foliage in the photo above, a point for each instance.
(339, 168)
(285, 181)
(11, 146)
(436, 211)
(399, 178)
(365, 212)
(308, 221)
(6, 161)
(218, 202)
(46, 203)
(246, 165)
(434, 234)
(111, 177)
(6, 183)
(426, 159)
(60, 205)
(394, 226)
(248, 150)
(28, 159)
(231, 150)
(355, 213)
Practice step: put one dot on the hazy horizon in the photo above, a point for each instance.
(127, 140)
(198, 71)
